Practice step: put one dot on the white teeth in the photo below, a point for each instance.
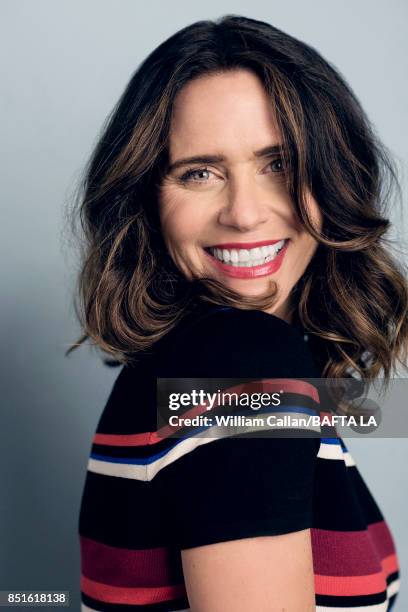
(256, 254)
(248, 257)
(243, 255)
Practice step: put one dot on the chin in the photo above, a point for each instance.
(251, 286)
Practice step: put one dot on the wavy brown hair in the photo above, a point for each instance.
(352, 298)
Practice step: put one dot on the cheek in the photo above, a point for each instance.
(173, 218)
(181, 223)
(175, 228)
(304, 252)
(181, 232)
(181, 236)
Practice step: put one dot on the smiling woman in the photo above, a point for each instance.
(225, 208)
(234, 225)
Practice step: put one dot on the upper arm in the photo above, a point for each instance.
(267, 573)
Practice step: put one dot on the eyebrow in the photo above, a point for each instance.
(214, 159)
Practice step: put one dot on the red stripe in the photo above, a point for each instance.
(351, 553)
(356, 585)
(124, 567)
(139, 439)
(258, 386)
(382, 538)
(124, 595)
(265, 385)
(350, 585)
(390, 564)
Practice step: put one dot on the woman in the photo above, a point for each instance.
(234, 216)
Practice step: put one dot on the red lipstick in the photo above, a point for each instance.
(244, 245)
(245, 272)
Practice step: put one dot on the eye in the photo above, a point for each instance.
(196, 175)
(277, 165)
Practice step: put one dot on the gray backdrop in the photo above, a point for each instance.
(64, 65)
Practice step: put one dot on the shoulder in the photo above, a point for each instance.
(237, 342)
(217, 323)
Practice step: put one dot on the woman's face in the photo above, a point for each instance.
(224, 206)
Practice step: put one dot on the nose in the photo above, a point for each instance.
(245, 206)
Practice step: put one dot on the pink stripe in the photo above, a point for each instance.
(265, 385)
(350, 553)
(123, 595)
(124, 567)
(350, 585)
(390, 564)
(139, 439)
(357, 585)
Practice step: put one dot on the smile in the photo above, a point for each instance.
(248, 257)
(260, 260)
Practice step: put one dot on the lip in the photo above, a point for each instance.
(254, 272)
(244, 245)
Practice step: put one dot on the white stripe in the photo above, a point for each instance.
(382, 607)
(335, 451)
(391, 590)
(186, 446)
(375, 608)
(122, 470)
(330, 451)
(85, 608)
(149, 471)
(348, 459)
(393, 587)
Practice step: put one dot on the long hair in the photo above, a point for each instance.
(353, 296)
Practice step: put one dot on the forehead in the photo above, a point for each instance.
(227, 112)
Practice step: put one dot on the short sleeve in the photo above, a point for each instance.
(218, 489)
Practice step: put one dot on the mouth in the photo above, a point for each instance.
(255, 260)
(245, 255)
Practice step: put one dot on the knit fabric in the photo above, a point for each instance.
(146, 497)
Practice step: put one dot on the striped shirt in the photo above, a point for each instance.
(147, 497)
